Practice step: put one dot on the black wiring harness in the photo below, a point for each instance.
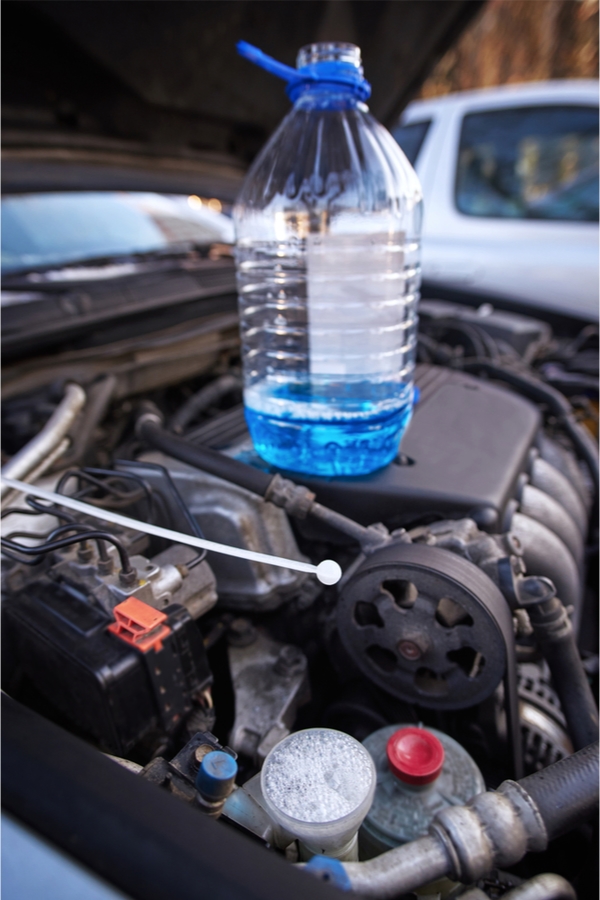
(100, 487)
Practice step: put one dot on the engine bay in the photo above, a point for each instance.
(466, 607)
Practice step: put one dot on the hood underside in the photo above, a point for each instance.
(152, 95)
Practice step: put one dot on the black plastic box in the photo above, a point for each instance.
(110, 690)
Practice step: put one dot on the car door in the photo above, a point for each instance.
(511, 200)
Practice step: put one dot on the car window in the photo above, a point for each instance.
(53, 229)
(530, 163)
(411, 137)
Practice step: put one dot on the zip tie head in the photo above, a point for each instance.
(328, 572)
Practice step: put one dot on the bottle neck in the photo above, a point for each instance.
(324, 95)
(331, 68)
(331, 51)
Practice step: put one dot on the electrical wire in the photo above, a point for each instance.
(107, 480)
(14, 510)
(52, 510)
(328, 571)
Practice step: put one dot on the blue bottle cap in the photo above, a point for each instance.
(329, 73)
(216, 775)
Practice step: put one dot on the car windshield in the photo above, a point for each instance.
(57, 229)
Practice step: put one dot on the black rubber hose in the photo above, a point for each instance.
(247, 477)
(202, 458)
(556, 639)
(573, 689)
(566, 793)
(196, 404)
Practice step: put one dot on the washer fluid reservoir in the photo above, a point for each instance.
(318, 785)
(328, 227)
(419, 772)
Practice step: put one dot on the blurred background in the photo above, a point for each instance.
(127, 129)
(511, 41)
(165, 76)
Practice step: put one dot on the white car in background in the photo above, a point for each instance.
(510, 182)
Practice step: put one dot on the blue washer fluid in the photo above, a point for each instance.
(328, 227)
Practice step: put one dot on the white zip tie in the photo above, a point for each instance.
(328, 571)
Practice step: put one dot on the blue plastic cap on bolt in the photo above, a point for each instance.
(328, 74)
(325, 868)
(216, 775)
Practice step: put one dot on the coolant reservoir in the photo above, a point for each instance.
(318, 785)
(419, 772)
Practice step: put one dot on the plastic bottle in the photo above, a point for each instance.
(328, 260)
(419, 772)
(317, 785)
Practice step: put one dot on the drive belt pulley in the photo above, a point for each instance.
(427, 626)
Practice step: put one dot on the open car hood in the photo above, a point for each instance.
(152, 96)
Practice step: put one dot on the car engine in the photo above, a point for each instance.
(467, 605)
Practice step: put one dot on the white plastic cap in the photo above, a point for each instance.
(318, 785)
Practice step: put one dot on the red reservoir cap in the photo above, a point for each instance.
(415, 755)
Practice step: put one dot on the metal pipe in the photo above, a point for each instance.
(99, 396)
(45, 464)
(552, 482)
(400, 870)
(45, 442)
(542, 887)
(494, 829)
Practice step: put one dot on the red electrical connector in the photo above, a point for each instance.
(140, 625)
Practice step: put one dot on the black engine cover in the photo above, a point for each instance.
(462, 455)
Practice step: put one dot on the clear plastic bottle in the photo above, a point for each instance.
(328, 259)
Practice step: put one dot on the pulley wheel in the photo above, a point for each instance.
(427, 626)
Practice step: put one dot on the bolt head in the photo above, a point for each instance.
(241, 633)
(128, 579)
(201, 751)
(289, 661)
(409, 650)
(105, 566)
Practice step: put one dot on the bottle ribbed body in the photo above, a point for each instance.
(328, 262)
